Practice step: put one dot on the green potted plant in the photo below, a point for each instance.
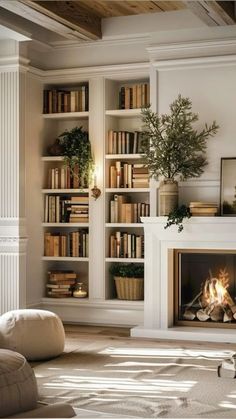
(76, 149)
(129, 280)
(173, 149)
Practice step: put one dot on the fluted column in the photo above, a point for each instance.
(12, 201)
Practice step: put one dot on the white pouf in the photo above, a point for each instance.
(36, 334)
(18, 388)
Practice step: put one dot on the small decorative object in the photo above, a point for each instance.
(173, 149)
(228, 186)
(79, 291)
(129, 281)
(76, 149)
(96, 192)
(55, 149)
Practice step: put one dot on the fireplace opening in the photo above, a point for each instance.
(205, 288)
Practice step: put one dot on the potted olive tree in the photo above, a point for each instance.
(129, 280)
(173, 149)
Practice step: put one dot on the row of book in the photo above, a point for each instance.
(134, 96)
(126, 245)
(203, 209)
(124, 211)
(124, 142)
(59, 209)
(73, 244)
(62, 100)
(60, 284)
(64, 178)
(125, 175)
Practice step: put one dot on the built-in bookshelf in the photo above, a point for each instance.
(78, 234)
(65, 197)
(126, 178)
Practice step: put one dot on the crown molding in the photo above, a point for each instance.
(194, 63)
(112, 41)
(194, 49)
(14, 63)
(76, 74)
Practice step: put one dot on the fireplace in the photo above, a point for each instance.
(205, 288)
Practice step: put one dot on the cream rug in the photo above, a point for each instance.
(142, 379)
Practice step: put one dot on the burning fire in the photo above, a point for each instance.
(213, 302)
(215, 289)
(216, 292)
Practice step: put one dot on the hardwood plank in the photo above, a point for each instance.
(108, 8)
(168, 6)
(212, 12)
(86, 24)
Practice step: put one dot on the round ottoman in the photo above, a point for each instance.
(36, 334)
(18, 388)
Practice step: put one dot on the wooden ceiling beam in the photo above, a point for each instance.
(213, 13)
(55, 18)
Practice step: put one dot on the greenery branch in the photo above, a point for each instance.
(170, 144)
(129, 270)
(177, 216)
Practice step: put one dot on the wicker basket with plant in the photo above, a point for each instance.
(129, 281)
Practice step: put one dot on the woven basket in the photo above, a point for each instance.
(129, 288)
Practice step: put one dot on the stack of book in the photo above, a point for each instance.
(60, 284)
(140, 176)
(126, 245)
(79, 209)
(125, 175)
(59, 209)
(203, 209)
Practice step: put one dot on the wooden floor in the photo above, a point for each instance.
(75, 332)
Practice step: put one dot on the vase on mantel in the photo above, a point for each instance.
(167, 196)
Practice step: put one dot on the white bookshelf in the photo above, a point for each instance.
(102, 305)
(128, 120)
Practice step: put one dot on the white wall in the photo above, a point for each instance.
(212, 91)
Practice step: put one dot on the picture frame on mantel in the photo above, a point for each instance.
(228, 186)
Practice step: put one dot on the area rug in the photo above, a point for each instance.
(141, 379)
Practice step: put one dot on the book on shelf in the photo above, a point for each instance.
(134, 96)
(64, 178)
(124, 142)
(72, 244)
(126, 245)
(122, 210)
(203, 209)
(60, 209)
(60, 284)
(127, 175)
(65, 100)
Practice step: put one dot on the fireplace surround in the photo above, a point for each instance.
(201, 236)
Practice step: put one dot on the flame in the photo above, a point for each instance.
(216, 292)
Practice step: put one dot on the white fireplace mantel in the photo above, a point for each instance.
(213, 233)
